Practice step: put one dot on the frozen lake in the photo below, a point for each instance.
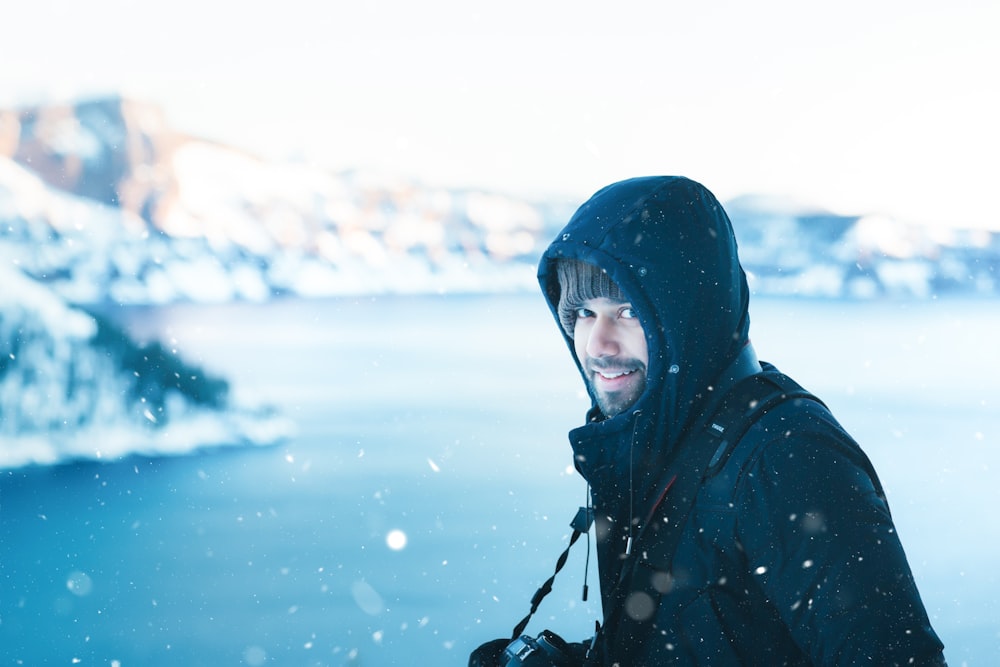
(428, 491)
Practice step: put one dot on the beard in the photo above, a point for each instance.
(615, 396)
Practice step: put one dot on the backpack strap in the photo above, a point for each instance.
(708, 449)
(710, 444)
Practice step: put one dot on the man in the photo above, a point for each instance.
(782, 550)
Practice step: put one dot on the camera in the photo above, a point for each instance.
(546, 650)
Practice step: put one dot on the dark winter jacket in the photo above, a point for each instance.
(789, 555)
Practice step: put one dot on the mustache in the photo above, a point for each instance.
(593, 364)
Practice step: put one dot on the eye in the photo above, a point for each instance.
(582, 313)
(628, 313)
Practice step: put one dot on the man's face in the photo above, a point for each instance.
(611, 347)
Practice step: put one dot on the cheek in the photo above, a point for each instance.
(580, 336)
(639, 348)
(580, 346)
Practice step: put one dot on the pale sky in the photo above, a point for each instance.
(861, 106)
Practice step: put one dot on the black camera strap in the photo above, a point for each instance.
(707, 448)
(581, 525)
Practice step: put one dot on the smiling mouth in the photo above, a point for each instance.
(612, 375)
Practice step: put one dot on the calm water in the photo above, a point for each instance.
(426, 495)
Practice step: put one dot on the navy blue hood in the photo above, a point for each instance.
(668, 243)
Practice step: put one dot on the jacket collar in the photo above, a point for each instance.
(603, 449)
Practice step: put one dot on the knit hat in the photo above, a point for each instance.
(578, 282)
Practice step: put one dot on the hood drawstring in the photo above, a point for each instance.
(631, 483)
(586, 562)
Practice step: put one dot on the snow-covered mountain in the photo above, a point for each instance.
(103, 201)
(72, 385)
(791, 249)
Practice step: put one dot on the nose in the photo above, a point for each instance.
(603, 339)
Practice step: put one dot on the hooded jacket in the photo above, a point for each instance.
(789, 555)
